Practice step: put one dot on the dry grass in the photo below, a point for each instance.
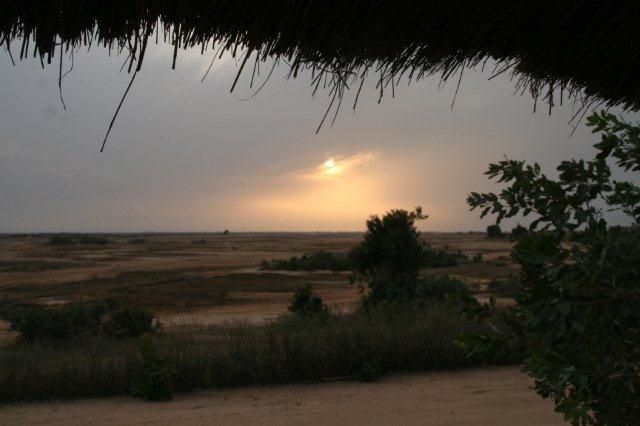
(556, 45)
(362, 344)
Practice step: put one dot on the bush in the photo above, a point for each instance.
(81, 321)
(154, 379)
(390, 256)
(316, 261)
(305, 302)
(494, 231)
(70, 322)
(125, 321)
(445, 289)
(441, 258)
(579, 312)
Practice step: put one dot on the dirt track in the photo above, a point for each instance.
(497, 396)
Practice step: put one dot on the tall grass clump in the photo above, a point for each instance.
(385, 338)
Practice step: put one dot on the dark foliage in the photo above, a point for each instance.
(80, 321)
(93, 240)
(518, 232)
(390, 256)
(154, 379)
(316, 261)
(445, 289)
(337, 262)
(379, 340)
(579, 311)
(61, 240)
(510, 287)
(306, 302)
(437, 258)
(494, 231)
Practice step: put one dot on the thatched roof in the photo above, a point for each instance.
(585, 47)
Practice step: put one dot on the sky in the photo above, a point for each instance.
(187, 155)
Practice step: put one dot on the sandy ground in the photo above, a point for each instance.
(497, 396)
(206, 278)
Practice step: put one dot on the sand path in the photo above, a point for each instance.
(496, 396)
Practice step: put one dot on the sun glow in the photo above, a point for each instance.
(331, 168)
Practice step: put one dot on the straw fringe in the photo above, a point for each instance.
(585, 49)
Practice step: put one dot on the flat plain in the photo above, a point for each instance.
(208, 278)
(214, 278)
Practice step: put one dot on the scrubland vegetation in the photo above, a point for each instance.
(296, 348)
(316, 261)
(327, 261)
(404, 323)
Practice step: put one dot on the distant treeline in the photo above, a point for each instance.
(330, 261)
(316, 261)
(71, 239)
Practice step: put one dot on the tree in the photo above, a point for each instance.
(390, 256)
(494, 231)
(579, 313)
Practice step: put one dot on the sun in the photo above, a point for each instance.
(331, 167)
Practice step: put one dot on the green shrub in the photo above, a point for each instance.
(579, 311)
(316, 261)
(125, 321)
(305, 302)
(445, 289)
(389, 258)
(477, 258)
(80, 321)
(441, 258)
(69, 322)
(154, 379)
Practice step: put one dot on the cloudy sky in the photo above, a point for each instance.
(190, 156)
